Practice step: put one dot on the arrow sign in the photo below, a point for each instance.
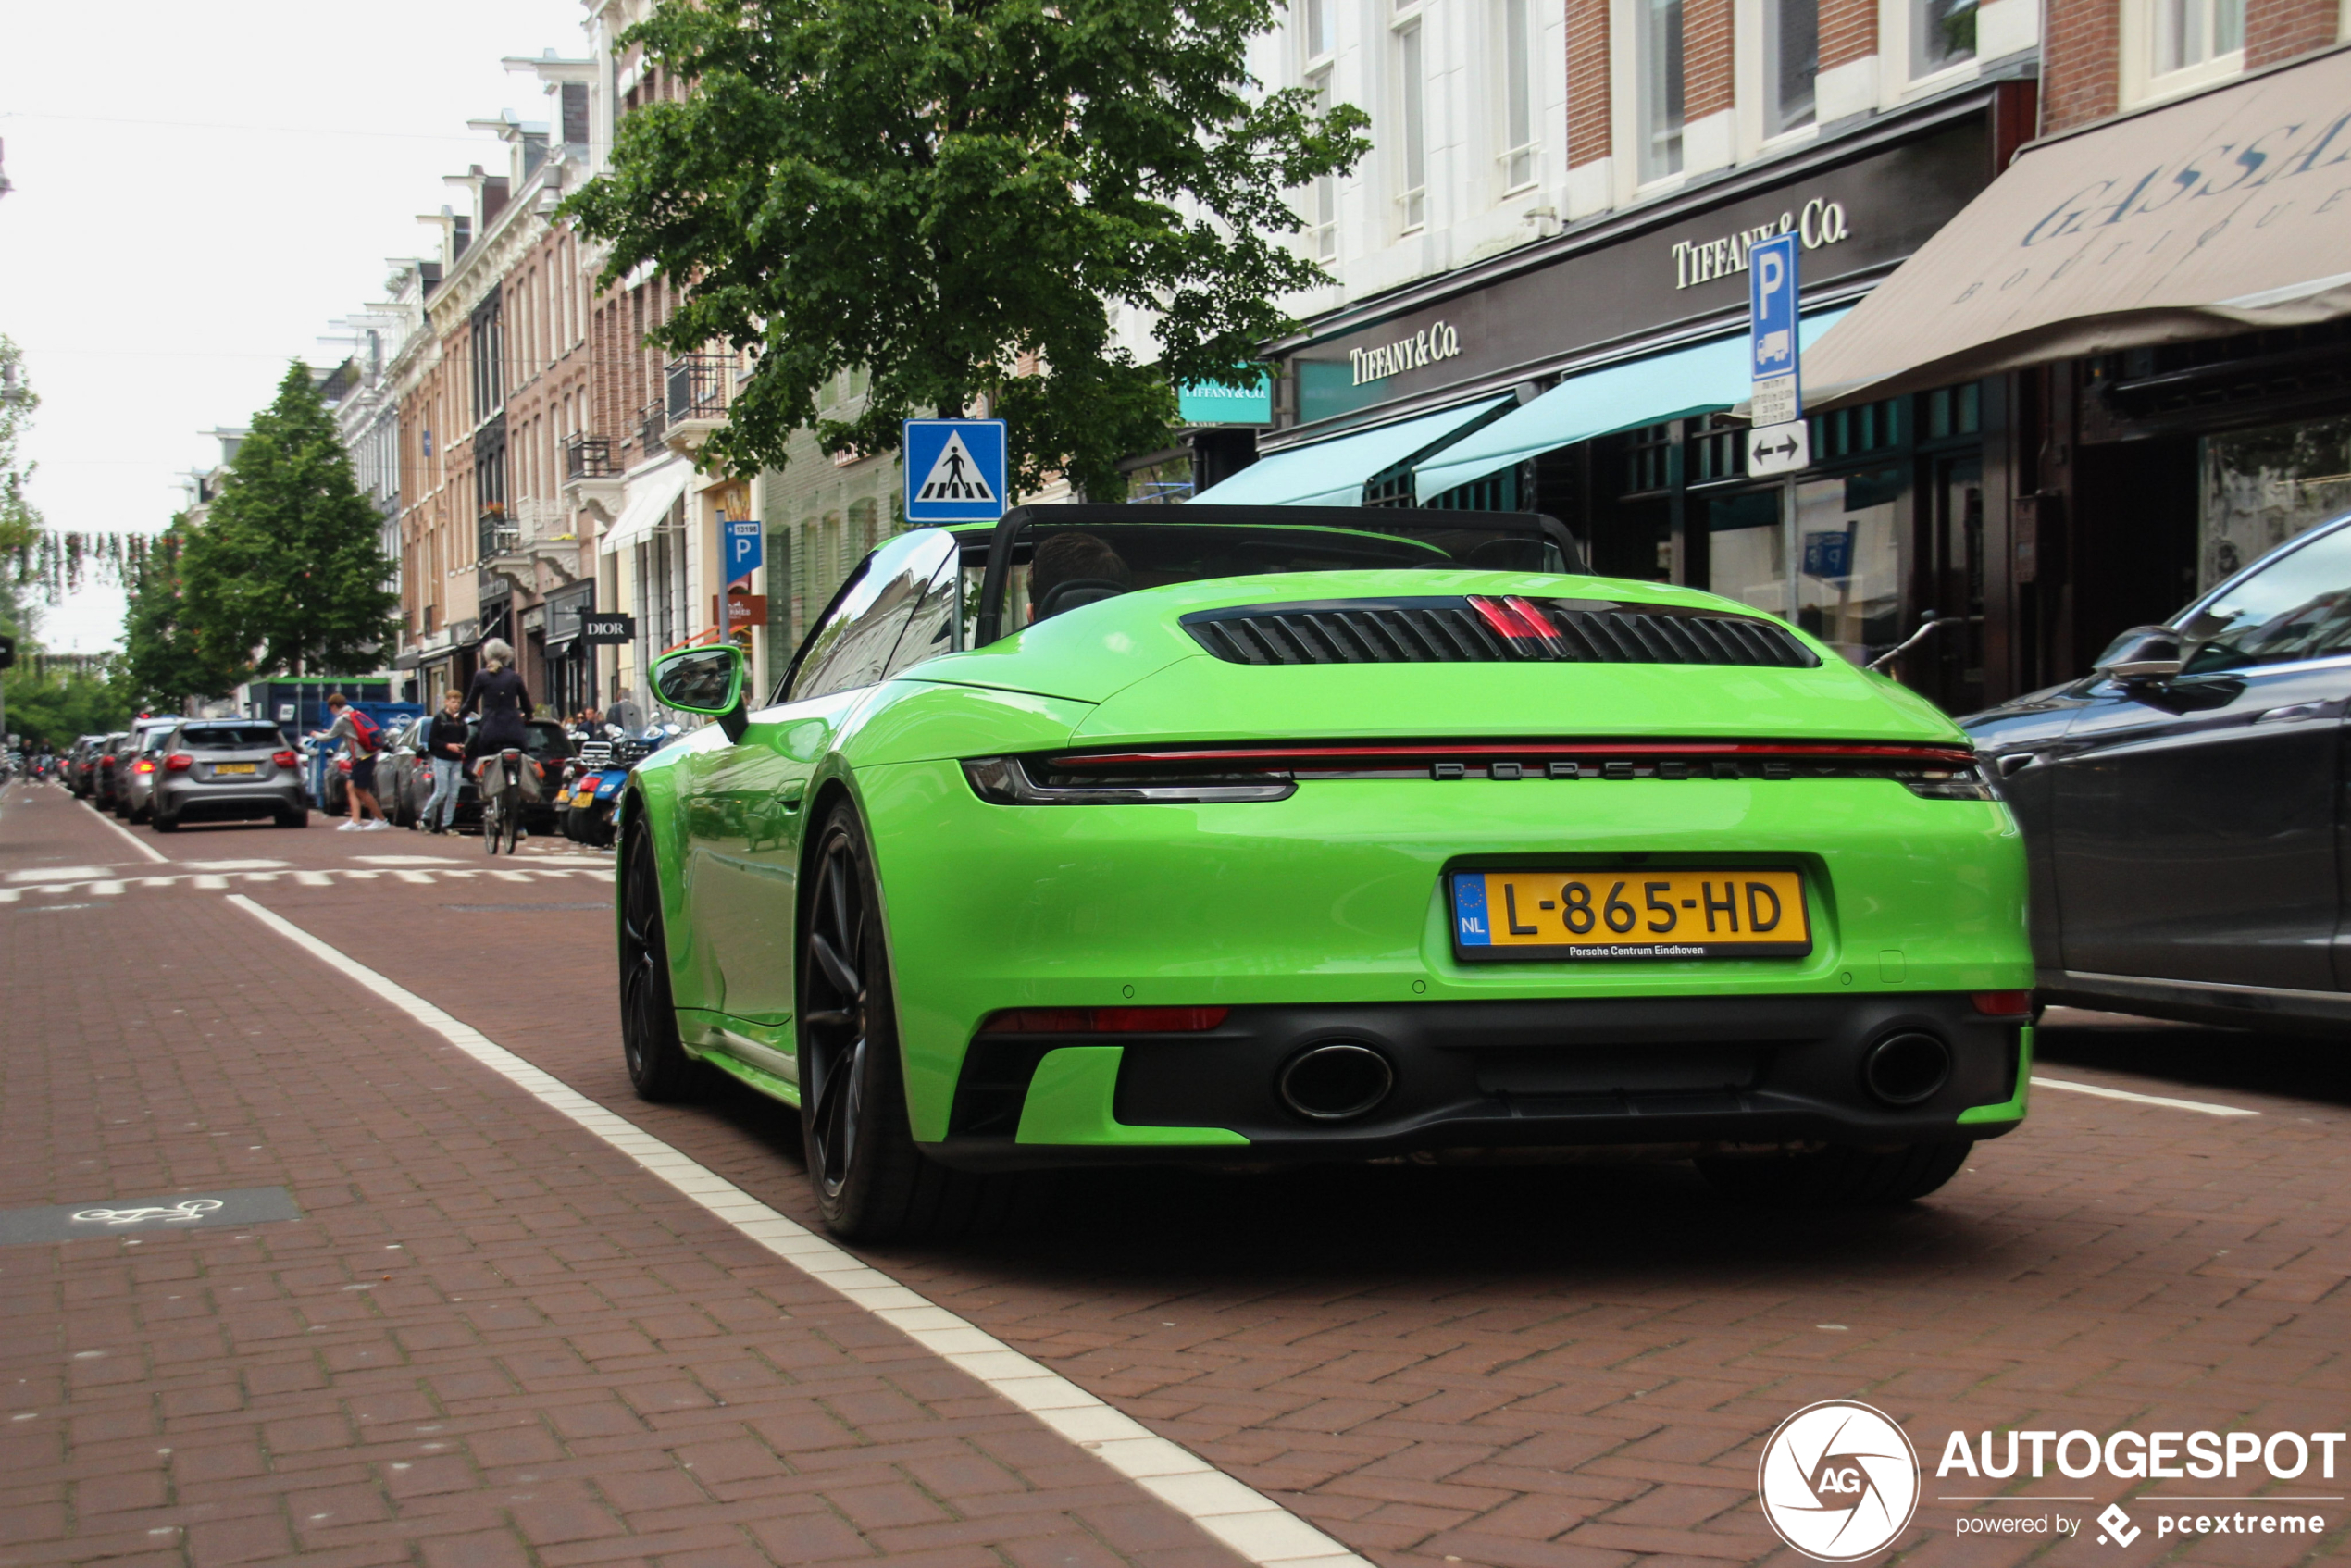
(1778, 449)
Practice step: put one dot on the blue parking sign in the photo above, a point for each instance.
(954, 470)
(746, 548)
(1770, 281)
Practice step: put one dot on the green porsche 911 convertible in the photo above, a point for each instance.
(1238, 836)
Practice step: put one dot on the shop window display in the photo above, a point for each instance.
(1747, 550)
(1851, 560)
(2263, 487)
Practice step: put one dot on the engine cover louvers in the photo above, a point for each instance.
(1481, 630)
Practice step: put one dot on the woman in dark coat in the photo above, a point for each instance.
(497, 695)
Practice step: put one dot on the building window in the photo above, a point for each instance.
(1942, 34)
(1319, 36)
(1412, 122)
(1659, 52)
(2194, 32)
(1323, 202)
(1518, 96)
(1791, 59)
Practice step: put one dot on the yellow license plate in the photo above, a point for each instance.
(1629, 912)
(220, 769)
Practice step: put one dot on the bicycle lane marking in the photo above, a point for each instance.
(2164, 1101)
(1243, 1519)
(131, 839)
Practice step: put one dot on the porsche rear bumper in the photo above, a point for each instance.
(1699, 1073)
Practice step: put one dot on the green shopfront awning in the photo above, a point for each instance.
(1331, 473)
(1705, 378)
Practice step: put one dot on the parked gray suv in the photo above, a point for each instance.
(229, 769)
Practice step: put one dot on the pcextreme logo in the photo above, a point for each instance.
(1839, 1480)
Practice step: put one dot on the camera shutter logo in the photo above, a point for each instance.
(1839, 1480)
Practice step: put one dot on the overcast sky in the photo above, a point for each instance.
(200, 190)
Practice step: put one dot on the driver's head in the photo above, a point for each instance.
(1072, 558)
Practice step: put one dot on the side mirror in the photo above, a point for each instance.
(705, 680)
(2144, 652)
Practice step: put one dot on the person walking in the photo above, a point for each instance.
(446, 748)
(358, 734)
(497, 695)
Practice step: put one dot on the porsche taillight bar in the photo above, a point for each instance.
(1425, 753)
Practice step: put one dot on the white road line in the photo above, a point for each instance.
(2165, 1100)
(1245, 1520)
(133, 840)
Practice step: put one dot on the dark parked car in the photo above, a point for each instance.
(102, 770)
(81, 766)
(2181, 803)
(225, 770)
(404, 772)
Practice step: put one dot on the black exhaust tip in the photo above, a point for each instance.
(1335, 1082)
(1905, 1068)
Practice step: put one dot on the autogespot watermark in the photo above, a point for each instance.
(1840, 1481)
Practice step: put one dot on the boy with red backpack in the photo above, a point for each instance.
(361, 736)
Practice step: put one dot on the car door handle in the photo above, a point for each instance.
(2292, 711)
(2016, 763)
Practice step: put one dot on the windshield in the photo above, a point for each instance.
(231, 738)
(1057, 566)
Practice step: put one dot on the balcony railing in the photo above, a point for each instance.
(515, 528)
(494, 534)
(589, 457)
(653, 423)
(699, 386)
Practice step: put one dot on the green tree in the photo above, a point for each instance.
(20, 521)
(286, 572)
(59, 705)
(936, 190)
(163, 660)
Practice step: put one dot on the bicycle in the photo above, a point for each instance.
(501, 801)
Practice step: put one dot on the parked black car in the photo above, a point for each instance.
(81, 766)
(2181, 803)
(404, 774)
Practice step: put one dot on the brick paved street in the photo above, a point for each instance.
(492, 1338)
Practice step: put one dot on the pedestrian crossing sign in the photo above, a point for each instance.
(954, 470)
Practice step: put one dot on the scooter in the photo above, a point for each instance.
(595, 797)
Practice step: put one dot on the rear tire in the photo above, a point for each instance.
(659, 1069)
(167, 824)
(1838, 1178)
(871, 1182)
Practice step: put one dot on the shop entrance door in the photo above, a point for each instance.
(1952, 671)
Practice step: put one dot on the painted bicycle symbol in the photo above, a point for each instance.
(185, 1211)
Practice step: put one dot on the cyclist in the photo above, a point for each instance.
(498, 695)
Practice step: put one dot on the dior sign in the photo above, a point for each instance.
(1435, 341)
(1819, 223)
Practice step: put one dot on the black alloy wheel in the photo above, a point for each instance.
(871, 1183)
(659, 1068)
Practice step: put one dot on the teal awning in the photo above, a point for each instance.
(1331, 473)
(1705, 378)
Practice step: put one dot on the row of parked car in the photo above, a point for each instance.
(168, 770)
